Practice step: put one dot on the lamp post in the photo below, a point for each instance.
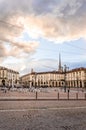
(77, 83)
(65, 83)
(35, 79)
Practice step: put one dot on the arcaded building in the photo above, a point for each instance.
(76, 77)
(8, 77)
(43, 79)
(60, 78)
(71, 78)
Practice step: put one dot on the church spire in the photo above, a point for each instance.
(59, 66)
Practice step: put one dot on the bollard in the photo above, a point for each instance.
(36, 95)
(58, 96)
(77, 96)
(85, 96)
(68, 95)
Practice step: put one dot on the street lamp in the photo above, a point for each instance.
(35, 79)
(77, 83)
(65, 71)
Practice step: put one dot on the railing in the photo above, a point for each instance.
(61, 96)
(52, 95)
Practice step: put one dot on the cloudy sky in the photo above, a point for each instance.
(34, 32)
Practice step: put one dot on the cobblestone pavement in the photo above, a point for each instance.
(36, 115)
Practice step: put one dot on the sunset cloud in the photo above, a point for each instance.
(17, 49)
(54, 20)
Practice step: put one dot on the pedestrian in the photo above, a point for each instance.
(68, 90)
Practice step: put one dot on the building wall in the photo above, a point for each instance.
(72, 78)
(49, 79)
(8, 77)
(76, 78)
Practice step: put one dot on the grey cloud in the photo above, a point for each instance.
(12, 7)
(43, 6)
(73, 8)
(82, 9)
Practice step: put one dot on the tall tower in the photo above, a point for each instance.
(59, 66)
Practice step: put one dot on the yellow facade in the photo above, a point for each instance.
(43, 79)
(76, 78)
(72, 78)
(8, 77)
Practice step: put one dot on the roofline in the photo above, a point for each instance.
(55, 72)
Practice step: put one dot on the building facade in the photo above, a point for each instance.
(76, 78)
(43, 79)
(8, 77)
(63, 77)
(71, 78)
